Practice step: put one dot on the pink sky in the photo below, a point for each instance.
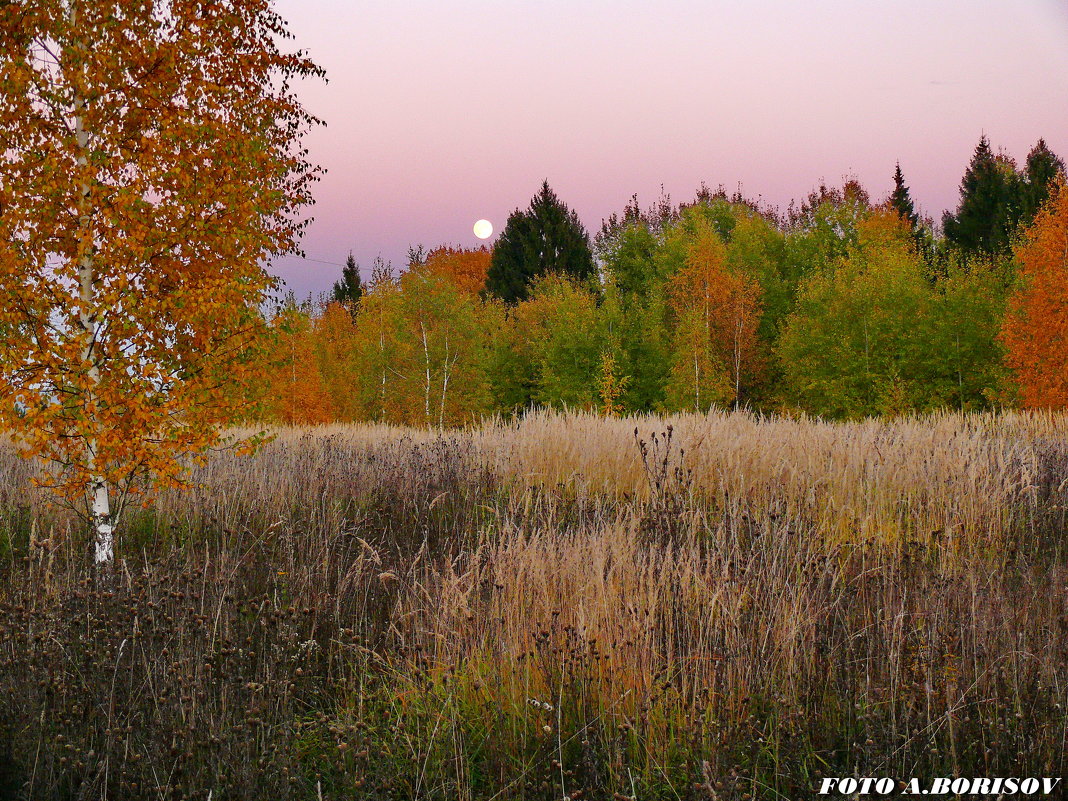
(440, 112)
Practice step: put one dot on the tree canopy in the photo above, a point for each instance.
(996, 198)
(349, 288)
(547, 238)
(150, 164)
(1036, 328)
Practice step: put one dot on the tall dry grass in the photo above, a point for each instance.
(720, 607)
(963, 476)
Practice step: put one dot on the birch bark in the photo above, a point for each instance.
(103, 528)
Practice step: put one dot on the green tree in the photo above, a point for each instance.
(547, 238)
(1042, 168)
(630, 263)
(989, 207)
(853, 345)
(758, 249)
(510, 368)
(444, 372)
(644, 253)
(565, 330)
(823, 228)
(964, 360)
(697, 379)
(644, 349)
(380, 344)
(419, 350)
(901, 200)
(349, 289)
(728, 307)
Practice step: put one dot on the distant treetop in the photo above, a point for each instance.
(546, 238)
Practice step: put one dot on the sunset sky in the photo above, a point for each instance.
(441, 112)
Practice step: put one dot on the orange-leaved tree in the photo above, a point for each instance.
(1035, 332)
(718, 312)
(465, 268)
(335, 339)
(150, 162)
(295, 391)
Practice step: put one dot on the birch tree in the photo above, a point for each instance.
(566, 334)
(717, 308)
(447, 365)
(380, 343)
(857, 343)
(296, 392)
(150, 162)
(1036, 328)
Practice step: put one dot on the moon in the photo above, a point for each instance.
(483, 229)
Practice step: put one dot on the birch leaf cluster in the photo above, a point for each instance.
(150, 163)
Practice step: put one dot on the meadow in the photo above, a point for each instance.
(564, 606)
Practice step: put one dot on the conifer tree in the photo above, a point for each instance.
(989, 204)
(349, 289)
(1042, 169)
(901, 200)
(547, 238)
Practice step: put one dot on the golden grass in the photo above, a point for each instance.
(720, 606)
(961, 478)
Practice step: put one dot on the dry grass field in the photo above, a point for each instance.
(566, 606)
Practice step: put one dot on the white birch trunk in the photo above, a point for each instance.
(444, 386)
(696, 383)
(426, 388)
(105, 531)
(382, 353)
(104, 550)
(737, 361)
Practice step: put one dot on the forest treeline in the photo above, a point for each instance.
(840, 307)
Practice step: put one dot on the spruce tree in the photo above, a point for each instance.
(989, 205)
(546, 238)
(1042, 167)
(901, 200)
(349, 289)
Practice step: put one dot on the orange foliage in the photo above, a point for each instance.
(465, 268)
(1036, 328)
(884, 229)
(335, 335)
(297, 393)
(725, 303)
(145, 182)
